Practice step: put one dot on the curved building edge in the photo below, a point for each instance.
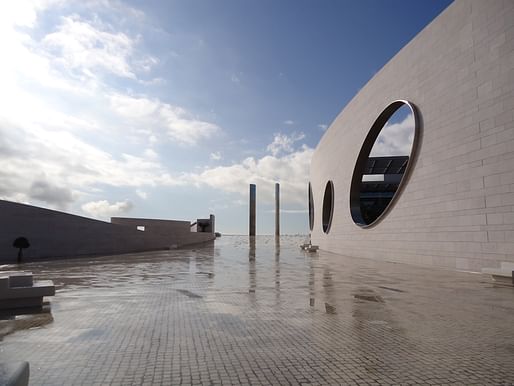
(456, 210)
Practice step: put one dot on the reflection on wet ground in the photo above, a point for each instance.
(262, 311)
(24, 319)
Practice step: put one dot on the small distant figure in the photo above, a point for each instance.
(21, 243)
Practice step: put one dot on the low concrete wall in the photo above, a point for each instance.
(181, 230)
(57, 234)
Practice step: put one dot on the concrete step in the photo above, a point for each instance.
(18, 290)
(17, 278)
(40, 288)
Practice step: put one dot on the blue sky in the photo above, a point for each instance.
(169, 109)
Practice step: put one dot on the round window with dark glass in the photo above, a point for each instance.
(384, 162)
(311, 208)
(328, 207)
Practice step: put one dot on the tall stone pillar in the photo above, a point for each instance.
(277, 209)
(253, 195)
(213, 223)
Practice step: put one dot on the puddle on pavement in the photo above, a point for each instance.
(391, 289)
(369, 298)
(208, 274)
(87, 335)
(329, 309)
(368, 294)
(190, 294)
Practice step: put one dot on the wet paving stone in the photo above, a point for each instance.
(262, 313)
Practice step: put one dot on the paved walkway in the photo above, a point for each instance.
(211, 315)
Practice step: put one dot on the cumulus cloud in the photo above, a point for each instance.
(74, 142)
(291, 170)
(103, 209)
(79, 45)
(283, 143)
(184, 128)
(395, 138)
(22, 13)
(78, 139)
(177, 123)
(67, 160)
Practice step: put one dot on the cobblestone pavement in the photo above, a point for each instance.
(237, 313)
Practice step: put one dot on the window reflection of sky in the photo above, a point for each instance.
(397, 135)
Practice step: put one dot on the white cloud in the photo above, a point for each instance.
(133, 107)
(64, 132)
(35, 153)
(177, 124)
(288, 122)
(184, 128)
(283, 143)
(104, 210)
(216, 156)
(235, 79)
(395, 139)
(322, 127)
(86, 47)
(290, 170)
(153, 81)
(151, 154)
(57, 153)
(22, 13)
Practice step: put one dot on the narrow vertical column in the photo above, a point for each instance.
(213, 223)
(277, 209)
(252, 209)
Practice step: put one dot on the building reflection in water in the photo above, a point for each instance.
(377, 331)
(252, 272)
(251, 248)
(24, 319)
(204, 263)
(328, 288)
(312, 284)
(277, 267)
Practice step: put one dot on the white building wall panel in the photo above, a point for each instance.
(457, 209)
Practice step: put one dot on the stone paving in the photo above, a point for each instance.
(262, 313)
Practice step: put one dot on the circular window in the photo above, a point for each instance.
(328, 206)
(385, 159)
(311, 208)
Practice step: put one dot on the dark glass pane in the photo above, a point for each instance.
(311, 208)
(382, 163)
(328, 206)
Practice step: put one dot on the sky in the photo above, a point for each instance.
(170, 109)
(396, 136)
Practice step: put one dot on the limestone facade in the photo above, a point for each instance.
(457, 208)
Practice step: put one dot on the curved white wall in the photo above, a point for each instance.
(457, 208)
